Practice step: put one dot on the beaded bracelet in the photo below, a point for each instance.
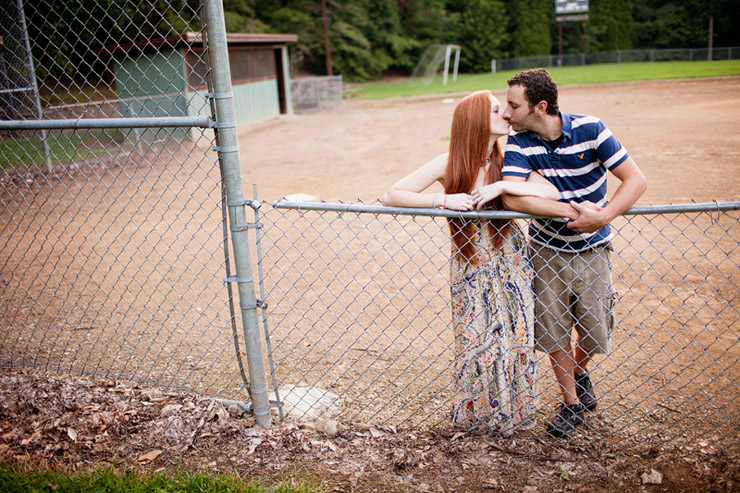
(444, 204)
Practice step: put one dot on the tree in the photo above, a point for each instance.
(610, 23)
(530, 27)
(482, 34)
(390, 45)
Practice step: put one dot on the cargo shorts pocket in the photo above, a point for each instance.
(610, 302)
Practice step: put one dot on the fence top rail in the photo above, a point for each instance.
(406, 211)
(317, 78)
(88, 123)
(717, 49)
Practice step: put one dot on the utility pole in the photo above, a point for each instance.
(711, 36)
(327, 48)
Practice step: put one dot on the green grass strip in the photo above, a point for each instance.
(13, 480)
(585, 74)
(62, 147)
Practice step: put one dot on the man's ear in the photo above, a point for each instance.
(541, 108)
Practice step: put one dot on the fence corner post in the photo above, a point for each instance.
(229, 159)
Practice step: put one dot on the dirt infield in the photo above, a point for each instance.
(684, 134)
(678, 131)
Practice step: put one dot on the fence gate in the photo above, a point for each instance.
(114, 207)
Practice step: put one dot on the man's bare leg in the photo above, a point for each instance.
(563, 365)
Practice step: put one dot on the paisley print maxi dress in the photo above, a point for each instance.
(493, 321)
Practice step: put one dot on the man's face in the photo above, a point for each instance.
(518, 112)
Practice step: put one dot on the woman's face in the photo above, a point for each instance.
(499, 126)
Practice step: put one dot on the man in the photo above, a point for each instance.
(570, 250)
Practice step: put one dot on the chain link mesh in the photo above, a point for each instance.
(359, 306)
(112, 258)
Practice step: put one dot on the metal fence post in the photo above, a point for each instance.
(229, 158)
(34, 86)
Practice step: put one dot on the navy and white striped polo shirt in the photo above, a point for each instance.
(577, 167)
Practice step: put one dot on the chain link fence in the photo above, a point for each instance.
(359, 305)
(617, 56)
(112, 211)
(113, 258)
(316, 93)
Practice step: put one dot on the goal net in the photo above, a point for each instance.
(437, 60)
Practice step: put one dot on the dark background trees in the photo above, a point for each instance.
(372, 37)
(369, 38)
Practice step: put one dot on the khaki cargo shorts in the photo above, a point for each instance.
(573, 290)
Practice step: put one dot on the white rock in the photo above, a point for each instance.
(308, 403)
(328, 426)
(653, 478)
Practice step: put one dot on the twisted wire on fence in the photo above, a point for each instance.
(111, 258)
(359, 306)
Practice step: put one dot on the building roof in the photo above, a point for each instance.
(191, 38)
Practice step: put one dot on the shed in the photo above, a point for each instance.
(167, 76)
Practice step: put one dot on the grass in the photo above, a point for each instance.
(587, 74)
(62, 146)
(15, 480)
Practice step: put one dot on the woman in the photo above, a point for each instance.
(491, 276)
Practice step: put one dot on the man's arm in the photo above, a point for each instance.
(592, 217)
(536, 205)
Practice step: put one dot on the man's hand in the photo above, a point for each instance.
(590, 218)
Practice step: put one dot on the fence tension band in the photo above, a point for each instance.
(223, 124)
(258, 304)
(246, 227)
(220, 95)
(238, 279)
(273, 403)
(254, 204)
(226, 149)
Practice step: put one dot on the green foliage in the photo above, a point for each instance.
(482, 34)
(428, 22)
(673, 24)
(306, 52)
(237, 23)
(610, 22)
(662, 26)
(386, 35)
(371, 37)
(530, 27)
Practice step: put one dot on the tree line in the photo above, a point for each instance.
(369, 38)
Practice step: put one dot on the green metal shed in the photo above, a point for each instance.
(167, 76)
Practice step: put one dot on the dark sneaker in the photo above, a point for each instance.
(570, 416)
(585, 392)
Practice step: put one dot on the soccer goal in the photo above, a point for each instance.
(431, 61)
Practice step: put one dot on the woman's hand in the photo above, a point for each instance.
(458, 202)
(486, 193)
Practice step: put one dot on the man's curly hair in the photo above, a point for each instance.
(538, 86)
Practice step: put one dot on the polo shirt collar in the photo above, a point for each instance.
(566, 126)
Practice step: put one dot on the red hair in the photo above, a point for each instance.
(469, 137)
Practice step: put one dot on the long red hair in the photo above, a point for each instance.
(469, 137)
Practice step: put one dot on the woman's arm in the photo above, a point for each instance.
(407, 192)
(536, 186)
